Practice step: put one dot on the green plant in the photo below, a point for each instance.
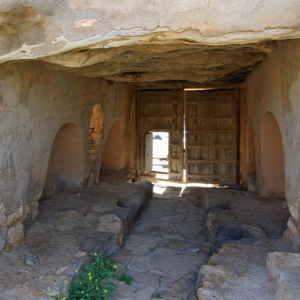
(156, 295)
(151, 249)
(124, 277)
(97, 282)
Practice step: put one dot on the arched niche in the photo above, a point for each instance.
(66, 162)
(272, 181)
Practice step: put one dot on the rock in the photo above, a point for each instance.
(216, 271)
(184, 285)
(125, 289)
(17, 215)
(15, 234)
(80, 254)
(160, 228)
(3, 219)
(141, 244)
(34, 204)
(145, 279)
(53, 278)
(293, 225)
(141, 264)
(30, 262)
(173, 236)
(288, 235)
(61, 270)
(3, 235)
(189, 227)
(204, 294)
(178, 265)
(112, 223)
(71, 215)
(179, 245)
(284, 270)
(65, 226)
(195, 250)
(7, 247)
(146, 292)
(122, 256)
(255, 231)
(35, 215)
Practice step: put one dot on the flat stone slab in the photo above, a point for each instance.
(144, 279)
(284, 271)
(141, 264)
(141, 244)
(178, 265)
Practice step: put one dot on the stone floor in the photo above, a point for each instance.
(69, 229)
(166, 248)
(244, 228)
(180, 232)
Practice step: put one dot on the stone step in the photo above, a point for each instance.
(284, 271)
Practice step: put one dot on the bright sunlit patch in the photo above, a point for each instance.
(162, 176)
(204, 185)
(182, 190)
(159, 189)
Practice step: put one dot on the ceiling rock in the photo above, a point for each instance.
(146, 41)
(150, 63)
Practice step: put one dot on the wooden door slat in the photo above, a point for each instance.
(211, 135)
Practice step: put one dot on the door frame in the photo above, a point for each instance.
(140, 147)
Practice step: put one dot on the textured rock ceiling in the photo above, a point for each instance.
(207, 42)
(208, 65)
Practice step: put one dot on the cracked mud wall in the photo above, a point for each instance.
(274, 88)
(34, 104)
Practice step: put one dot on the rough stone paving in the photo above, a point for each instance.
(166, 248)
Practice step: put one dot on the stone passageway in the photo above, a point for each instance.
(166, 248)
(185, 239)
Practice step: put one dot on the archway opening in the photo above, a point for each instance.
(113, 150)
(66, 167)
(272, 181)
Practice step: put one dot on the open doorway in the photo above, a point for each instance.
(160, 152)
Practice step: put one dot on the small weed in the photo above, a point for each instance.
(124, 277)
(156, 295)
(97, 282)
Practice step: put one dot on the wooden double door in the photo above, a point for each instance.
(203, 133)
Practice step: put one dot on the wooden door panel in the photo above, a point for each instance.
(176, 155)
(148, 152)
(162, 110)
(211, 138)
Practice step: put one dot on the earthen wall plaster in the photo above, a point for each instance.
(34, 104)
(275, 87)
